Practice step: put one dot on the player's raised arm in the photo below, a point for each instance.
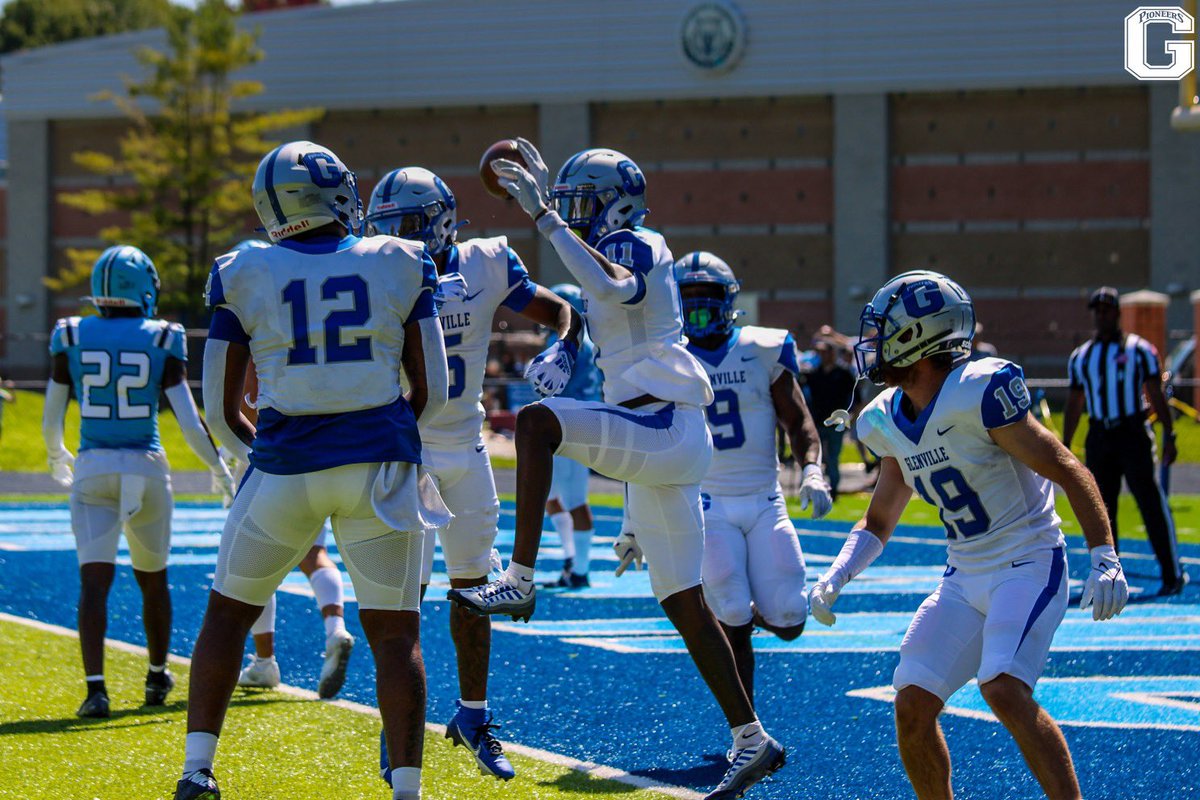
(1031, 443)
(794, 416)
(195, 432)
(599, 277)
(866, 540)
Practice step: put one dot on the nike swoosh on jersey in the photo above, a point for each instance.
(772, 498)
(1021, 564)
(944, 431)
(469, 297)
(479, 448)
(748, 358)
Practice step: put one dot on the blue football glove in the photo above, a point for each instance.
(550, 370)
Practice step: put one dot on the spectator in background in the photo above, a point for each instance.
(830, 387)
(981, 349)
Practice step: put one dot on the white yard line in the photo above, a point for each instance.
(593, 769)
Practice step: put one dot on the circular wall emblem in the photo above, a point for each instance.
(713, 36)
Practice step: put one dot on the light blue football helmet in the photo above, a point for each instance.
(571, 293)
(249, 244)
(414, 203)
(599, 191)
(300, 186)
(124, 277)
(707, 316)
(913, 316)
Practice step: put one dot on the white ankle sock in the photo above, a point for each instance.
(158, 667)
(199, 750)
(749, 735)
(565, 528)
(327, 587)
(334, 623)
(479, 705)
(583, 550)
(406, 783)
(519, 576)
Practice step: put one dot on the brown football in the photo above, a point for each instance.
(505, 148)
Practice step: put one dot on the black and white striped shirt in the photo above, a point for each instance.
(1111, 375)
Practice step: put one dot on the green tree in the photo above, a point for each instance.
(190, 157)
(33, 23)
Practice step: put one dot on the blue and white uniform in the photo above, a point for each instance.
(661, 449)
(454, 451)
(751, 550)
(1004, 592)
(122, 479)
(324, 321)
(570, 483)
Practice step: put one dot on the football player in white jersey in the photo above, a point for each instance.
(323, 576)
(476, 277)
(649, 432)
(321, 308)
(119, 363)
(960, 434)
(753, 565)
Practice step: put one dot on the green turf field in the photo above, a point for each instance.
(275, 746)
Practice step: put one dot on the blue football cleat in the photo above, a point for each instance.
(748, 766)
(472, 728)
(497, 597)
(198, 785)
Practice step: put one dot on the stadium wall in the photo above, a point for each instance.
(847, 145)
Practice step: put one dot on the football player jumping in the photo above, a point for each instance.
(649, 432)
(753, 566)
(119, 363)
(322, 308)
(960, 434)
(476, 277)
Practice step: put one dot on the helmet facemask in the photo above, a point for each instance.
(708, 314)
(433, 223)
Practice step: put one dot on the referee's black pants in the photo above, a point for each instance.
(1128, 450)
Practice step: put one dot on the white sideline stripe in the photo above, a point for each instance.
(588, 767)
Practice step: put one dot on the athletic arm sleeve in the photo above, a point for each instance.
(184, 406)
(584, 267)
(437, 374)
(57, 395)
(215, 352)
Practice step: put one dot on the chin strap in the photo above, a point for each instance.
(840, 420)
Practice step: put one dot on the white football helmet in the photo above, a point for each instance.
(599, 191)
(414, 203)
(300, 186)
(913, 316)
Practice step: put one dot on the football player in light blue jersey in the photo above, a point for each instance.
(475, 278)
(753, 565)
(118, 363)
(568, 505)
(960, 434)
(323, 576)
(330, 320)
(649, 432)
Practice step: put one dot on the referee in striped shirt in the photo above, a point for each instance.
(1108, 373)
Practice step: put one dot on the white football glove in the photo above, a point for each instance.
(537, 167)
(61, 467)
(222, 484)
(628, 552)
(814, 490)
(550, 370)
(517, 181)
(1106, 589)
(450, 287)
(839, 420)
(821, 598)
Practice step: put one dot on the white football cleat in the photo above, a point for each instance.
(260, 674)
(333, 672)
